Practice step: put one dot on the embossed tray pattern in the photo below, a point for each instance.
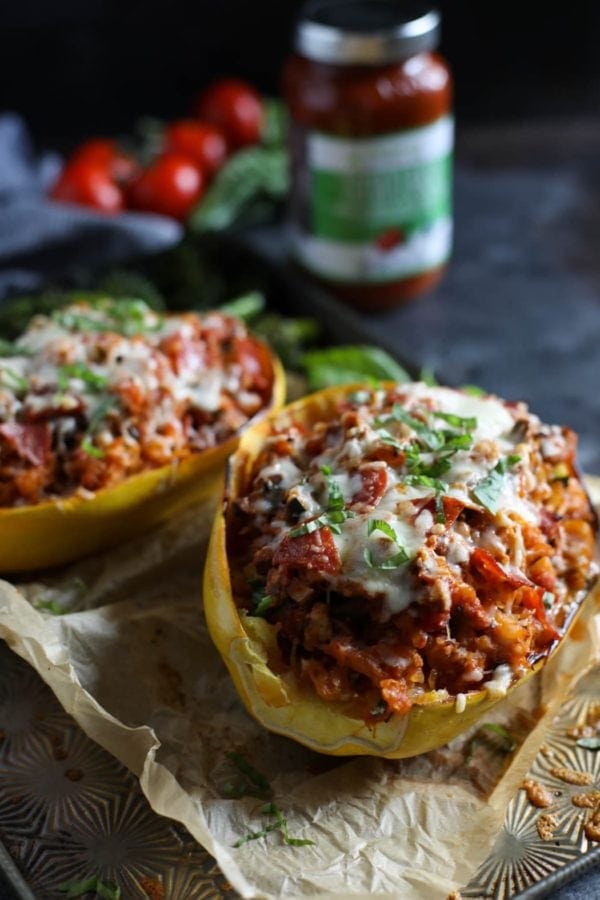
(69, 810)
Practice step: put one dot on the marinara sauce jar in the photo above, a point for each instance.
(372, 140)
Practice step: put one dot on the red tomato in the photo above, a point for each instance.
(171, 185)
(235, 107)
(201, 141)
(88, 184)
(106, 152)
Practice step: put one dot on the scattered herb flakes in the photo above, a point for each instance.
(560, 473)
(247, 769)
(12, 380)
(104, 889)
(392, 562)
(96, 420)
(473, 390)
(507, 741)
(548, 599)
(589, 743)
(427, 376)
(426, 481)
(280, 824)
(265, 603)
(468, 424)
(246, 307)
(8, 348)
(488, 490)
(83, 373)
(384, 527)
(51, 606)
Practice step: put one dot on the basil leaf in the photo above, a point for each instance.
(12, 380)
(473, 390)
(245, 177)
(263, 605)
(468, 423)
(247, 769)
(246, 307)
(7, 348)
(432, 439)
(427, 376)
(97, 418)
(488, 490)
(348, 364)
(589, 743)
(393, 562)
(108, 891)
(508, 741)
(426, 481)
(274, 122)
(78, 888)
(78, 370)
(384, 527)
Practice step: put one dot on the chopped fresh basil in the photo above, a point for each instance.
(427, 376)
(426, 481)
(454, 442)
(469, 423)
(12, 380)
(52, 606)
(392, 562)
(280, 824)
(488, 490)
(103, 889)
(432, 439)
(347, 364)
(384, 527)
(7, 348)
(440, 514)
(589, 743)
(548, 599)
(263, 605)
(508, 743)
(97, 418)
(246, 307)
(247, 769)
(124, 316)
(473, 390)
(78, 370)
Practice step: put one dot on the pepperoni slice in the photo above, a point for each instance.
(31, 441)
(374, 485)
(315, 551)
(493, 572)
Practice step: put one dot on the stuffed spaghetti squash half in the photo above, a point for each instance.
(389, 562)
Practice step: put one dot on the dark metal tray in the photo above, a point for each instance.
(69, 809)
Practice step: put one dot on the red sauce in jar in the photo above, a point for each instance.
(372, 139)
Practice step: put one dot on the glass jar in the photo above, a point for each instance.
(371, 141)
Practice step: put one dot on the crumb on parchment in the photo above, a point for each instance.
(538, 794)
(546, 826)
(454, 895)
(572, 777)
(592, 826)
(588, 800)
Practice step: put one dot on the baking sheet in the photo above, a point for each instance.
(131, 661)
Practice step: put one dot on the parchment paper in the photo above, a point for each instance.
(132, 662)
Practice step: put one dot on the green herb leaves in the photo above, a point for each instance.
(391, 562)
(7, 348)
(12, 380)
(255, 784)
(103, 889)
(335, 514)
(96, 420)
(124, 316)
(487, 491)
(82, 373)
(348, 364)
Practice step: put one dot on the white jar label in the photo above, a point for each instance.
(375, 209)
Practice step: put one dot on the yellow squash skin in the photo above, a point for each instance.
(56, 532)
(246, 643)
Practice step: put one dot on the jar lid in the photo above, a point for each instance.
(365, 32)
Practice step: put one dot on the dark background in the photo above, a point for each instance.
(83, 67)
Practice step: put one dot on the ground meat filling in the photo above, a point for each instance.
(101, 390)
(422, 540)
